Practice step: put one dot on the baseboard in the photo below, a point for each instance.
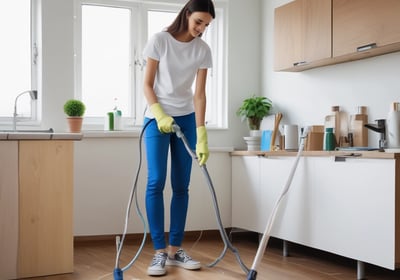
(189, 235)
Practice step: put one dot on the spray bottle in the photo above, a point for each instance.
(117, 116)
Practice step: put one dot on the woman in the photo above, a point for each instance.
(175, 58)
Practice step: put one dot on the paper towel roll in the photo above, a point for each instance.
(291, 132)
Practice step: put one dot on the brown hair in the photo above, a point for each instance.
(180, 23)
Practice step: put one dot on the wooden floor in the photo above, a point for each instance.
(95, 260)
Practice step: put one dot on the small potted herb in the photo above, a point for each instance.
(74, 109)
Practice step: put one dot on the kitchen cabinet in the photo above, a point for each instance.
(314, 33)
(8, 209)
(346, 206)
(302, 34)
(36, 208)
(363, 28)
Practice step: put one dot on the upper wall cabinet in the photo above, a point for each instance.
(313, 33)
(364, 28)
(303, 34)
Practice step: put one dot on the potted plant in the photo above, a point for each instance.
(74, 109)
(254, 109)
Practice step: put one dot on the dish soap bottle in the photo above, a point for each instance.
(117, 117)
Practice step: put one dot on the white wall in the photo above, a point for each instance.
(105, 171)
(306, 97)
(56, 84)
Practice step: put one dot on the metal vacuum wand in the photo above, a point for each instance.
(252, 275)
(225, 238)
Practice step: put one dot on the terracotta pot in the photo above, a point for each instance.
(75, 124)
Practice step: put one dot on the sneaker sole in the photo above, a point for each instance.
(183, 265)
(156, 272)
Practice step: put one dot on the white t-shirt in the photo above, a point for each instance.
(177, 69)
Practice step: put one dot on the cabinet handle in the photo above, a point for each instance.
(343, 157)
(366, 47)
(300, 63)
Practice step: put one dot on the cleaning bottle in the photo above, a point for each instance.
(393, 126)
(329, 139)
(117, 116)
(357, 129)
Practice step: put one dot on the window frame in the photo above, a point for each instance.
(35, 115)
(139, 38)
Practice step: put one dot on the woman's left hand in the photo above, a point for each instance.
(202, 145)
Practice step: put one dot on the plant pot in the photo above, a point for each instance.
(254, 123)
(255, 133)
(75, 124)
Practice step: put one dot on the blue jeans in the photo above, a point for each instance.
(157, 147)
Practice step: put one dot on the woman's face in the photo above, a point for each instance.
(198, 22)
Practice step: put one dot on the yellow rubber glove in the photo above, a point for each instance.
(164, 122)
(202, 145)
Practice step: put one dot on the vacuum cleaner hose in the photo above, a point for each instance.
(118, 272)
(224, 236)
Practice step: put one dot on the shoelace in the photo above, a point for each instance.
(183, 255)
(158, 259)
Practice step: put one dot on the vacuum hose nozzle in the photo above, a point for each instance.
(252, 275)
(118, 274)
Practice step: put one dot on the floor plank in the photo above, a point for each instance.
(96, 260)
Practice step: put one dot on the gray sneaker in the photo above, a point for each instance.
(157, 266)
(183, 260)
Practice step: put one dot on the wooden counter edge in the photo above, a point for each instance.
(362, 154)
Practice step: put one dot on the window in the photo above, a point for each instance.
(105, 58)
(109, 65)
(16, 67)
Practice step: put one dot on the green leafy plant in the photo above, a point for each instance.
(74, 108)
(254, 109)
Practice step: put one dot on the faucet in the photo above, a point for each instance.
(33, 95)
(381, 128)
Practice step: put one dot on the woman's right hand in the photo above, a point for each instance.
(164, 121)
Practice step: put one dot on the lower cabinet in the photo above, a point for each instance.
(348, 207)
(36, 208)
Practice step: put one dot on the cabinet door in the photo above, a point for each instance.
(359, 25)
(290, 221)
(302, 34)
(246, 192)
(45, 208)
(353, 208)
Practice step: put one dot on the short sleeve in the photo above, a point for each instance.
(152, 48)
